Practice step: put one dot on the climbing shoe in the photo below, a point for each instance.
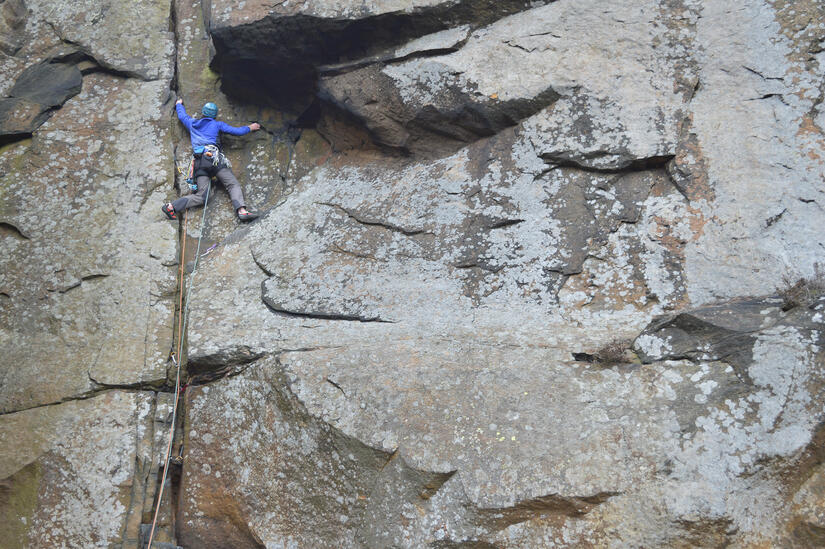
(169, 211)
(248, 216)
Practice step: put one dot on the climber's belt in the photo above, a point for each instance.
(209, 160)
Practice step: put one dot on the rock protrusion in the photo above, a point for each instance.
(37, 92)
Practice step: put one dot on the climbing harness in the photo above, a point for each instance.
(183, 308)
(219, 160)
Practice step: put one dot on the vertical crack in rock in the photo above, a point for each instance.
(153, 489)
(173, 28)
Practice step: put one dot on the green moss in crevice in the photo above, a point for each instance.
(18, 501)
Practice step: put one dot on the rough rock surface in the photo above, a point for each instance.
(74, 475)
(465, 204)
(87, 269)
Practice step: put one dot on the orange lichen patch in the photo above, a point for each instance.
(697, 223)
(794, 18)
(808, 126)
(691, 165)
(666, 236)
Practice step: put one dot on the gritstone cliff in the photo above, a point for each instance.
(464, 204)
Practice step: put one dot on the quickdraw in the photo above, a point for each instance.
(190, 176)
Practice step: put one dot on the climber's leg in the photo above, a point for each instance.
(230, 182)
(193, 200)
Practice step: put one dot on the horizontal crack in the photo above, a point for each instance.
(479, 266)
(553, 504)
(505, 223)
(338, 249)
(559, 160)
(88, 395)
(81, 281)
(343, 68)
(327, 316)
(375, 223)
(159, 385)
(759, 74)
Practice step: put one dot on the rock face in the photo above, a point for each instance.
(87, 271)
(466, 205)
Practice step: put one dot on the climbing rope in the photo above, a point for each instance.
(183, 307)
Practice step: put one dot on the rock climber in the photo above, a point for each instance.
(210, 161)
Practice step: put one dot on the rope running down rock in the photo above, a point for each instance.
(183, 307)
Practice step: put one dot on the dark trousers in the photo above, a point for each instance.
(230, 183)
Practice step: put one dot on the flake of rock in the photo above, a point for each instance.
(49, 85)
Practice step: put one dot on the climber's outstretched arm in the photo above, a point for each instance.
(182, 116)
(243, 130)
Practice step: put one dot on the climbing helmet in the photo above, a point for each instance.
(210, 110)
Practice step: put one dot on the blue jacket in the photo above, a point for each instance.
(204, 131)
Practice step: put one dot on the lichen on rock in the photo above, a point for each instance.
(463, 204)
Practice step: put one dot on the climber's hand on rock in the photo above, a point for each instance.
(179, 102)
(254, 126)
